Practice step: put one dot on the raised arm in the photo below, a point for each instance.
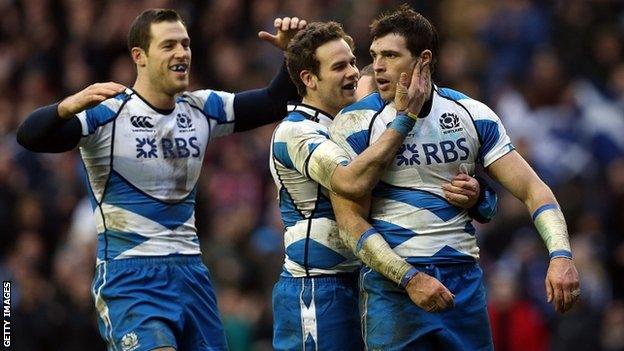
(356, 179)
(562, 280)
(55, 128)
(255, 108)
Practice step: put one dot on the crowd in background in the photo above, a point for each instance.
(552, 70)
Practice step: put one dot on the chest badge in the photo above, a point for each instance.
(450, 123)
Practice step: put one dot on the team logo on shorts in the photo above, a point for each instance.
(129, 342)
(449, 122)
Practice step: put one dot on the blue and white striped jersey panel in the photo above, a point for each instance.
(303, 159)
(408, 205)
(143, 165)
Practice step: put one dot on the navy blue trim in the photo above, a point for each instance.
(279, 177)
(561, 253)
(159, 110)
(360, 243)
(542, 209)
(408, 276)
(317, 111)
(208, 117)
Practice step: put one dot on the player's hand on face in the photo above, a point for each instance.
(286, 28)
(562, 284)
(429, 294)
(463, 191)
(88, 97)
(411, 97)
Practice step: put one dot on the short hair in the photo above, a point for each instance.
(418, 32)
(301, 51)
(140, 34)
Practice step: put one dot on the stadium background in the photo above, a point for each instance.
(553, 71)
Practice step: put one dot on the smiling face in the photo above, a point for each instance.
(390, 57)
(167, 62)
(335, 84)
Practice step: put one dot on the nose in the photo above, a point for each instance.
(379, 64)
(181, 51)
(353, 72)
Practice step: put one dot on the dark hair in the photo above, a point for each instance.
(301, 51)
(418, 32)
(140, 33)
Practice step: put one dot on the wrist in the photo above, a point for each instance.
(561, 254)
(62, 112)
(402, 123)
(408, 276)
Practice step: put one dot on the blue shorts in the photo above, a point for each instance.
(391, 321)
(317, 313)
(146, 303)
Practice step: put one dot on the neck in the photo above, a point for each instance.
(156, 98)
(317, 103)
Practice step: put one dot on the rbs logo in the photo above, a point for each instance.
(171, 148)
(443, 152)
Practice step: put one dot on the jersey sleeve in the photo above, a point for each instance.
(351, 131)
(308, 150)
(94, 119)
(218, 107)
(494, 141)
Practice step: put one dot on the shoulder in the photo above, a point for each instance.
(371, 102)
(295, 126)
(477, 109)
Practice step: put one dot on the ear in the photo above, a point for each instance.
(308, 78)
(139, 56)
(426, 56)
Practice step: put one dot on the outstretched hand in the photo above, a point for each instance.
(88, 97)
(286, 28)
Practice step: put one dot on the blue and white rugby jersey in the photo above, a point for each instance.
(142, 166)
(302, 162)
(408, 206)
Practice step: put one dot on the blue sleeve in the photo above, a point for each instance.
(44, 131)
(255, 108)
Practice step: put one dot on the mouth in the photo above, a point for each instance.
(180, 68)
(350, 86)
(382, 83)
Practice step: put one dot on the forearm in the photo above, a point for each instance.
(44, 131)
(367, 244)
(363, 172)
(255, 108)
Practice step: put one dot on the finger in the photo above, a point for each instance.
(415, 78)
(465, 187)
(457, 199)
(549, 292)
(567, 300)
(447, 299)
(294, 23)
(302, 24)
(267, 36)
(104, 92)
(462, 176)
(559, 302)
(277, 23)
(458, 190)
(285, 24)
